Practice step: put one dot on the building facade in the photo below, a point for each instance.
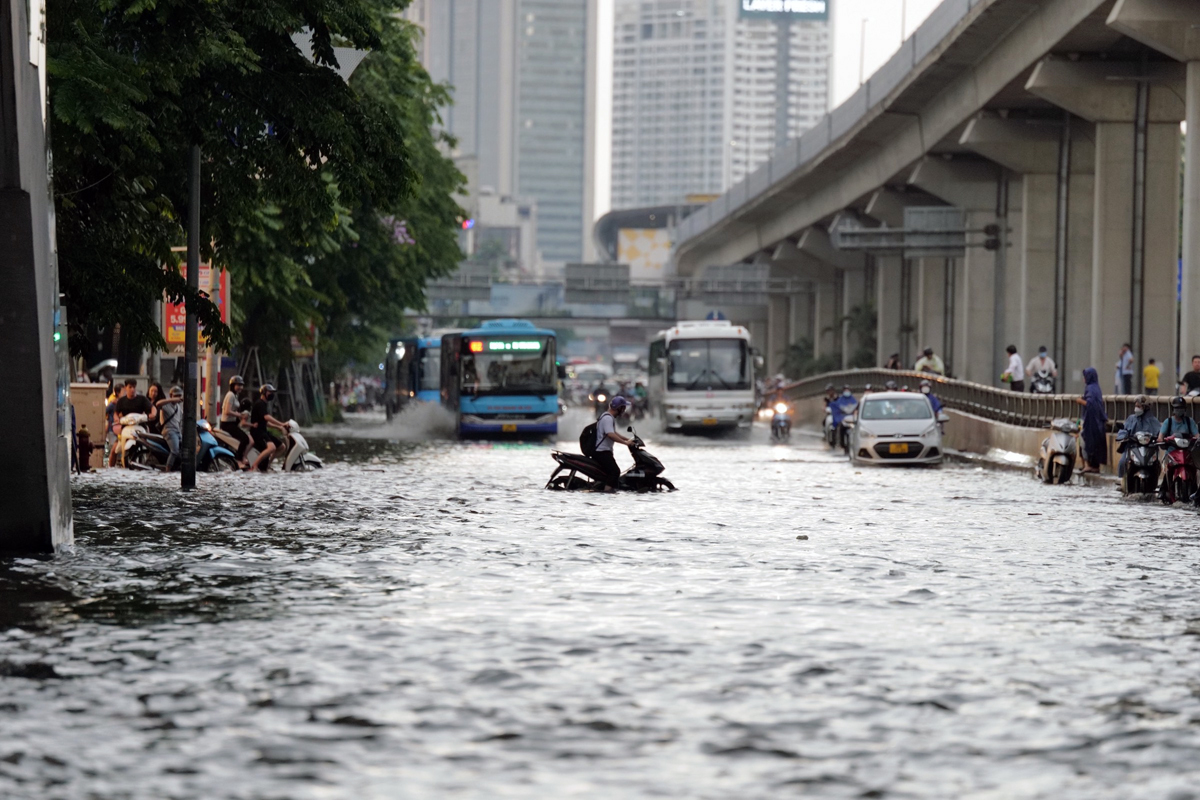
(702, 96)
(523, 76)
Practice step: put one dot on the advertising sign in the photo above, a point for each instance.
(785, 10)
(175, 315)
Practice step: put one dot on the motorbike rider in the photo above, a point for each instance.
(259, 420)
(606, 435)
(927, 390)
(842, 407)
(1178, 424)
(1140, 421)
(130, 402)
(232, 417)
(830, 394)
(891, 386)
(1043, 363)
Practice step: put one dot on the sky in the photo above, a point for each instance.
(882, 36)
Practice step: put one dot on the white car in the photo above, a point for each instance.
(896, 428)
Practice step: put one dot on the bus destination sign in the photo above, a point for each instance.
(506, 346)
(785, 10)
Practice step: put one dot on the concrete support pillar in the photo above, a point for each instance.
(854, 297)
(888, 278)
(778, 319)
(1173, 28)
(1137, 107)
(826, 314)
(35, 509)
(931, 304)
(1038, 257)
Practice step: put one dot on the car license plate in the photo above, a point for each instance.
(709, 421)
(508, 428)
(898, 448)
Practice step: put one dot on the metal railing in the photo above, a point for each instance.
(1022, 409)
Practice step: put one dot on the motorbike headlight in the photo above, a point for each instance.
(1143, 438)
(781, 408)
(601, 398)
(1181, 443)
(204, 425)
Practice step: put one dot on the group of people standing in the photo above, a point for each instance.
(164, 416)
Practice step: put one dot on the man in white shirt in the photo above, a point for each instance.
(1043, 363)
(606, 435)
(929, 362)
(1015, 374)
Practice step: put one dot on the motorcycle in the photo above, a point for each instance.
(1179, 478)
(781, 423)
(1142, 468)
(293, 453)
(151, 451)
(1056, 458)
(585, 474)
(211, 455)
(1043, 382)
(598, 398)
(131, 444)
(827, 428)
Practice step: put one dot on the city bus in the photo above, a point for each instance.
(702, 376)
(501, 379)
(412, 372)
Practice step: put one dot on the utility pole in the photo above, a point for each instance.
(191, 334)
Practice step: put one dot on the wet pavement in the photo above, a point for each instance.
(422, 620)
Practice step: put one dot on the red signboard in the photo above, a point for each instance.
(175, 315)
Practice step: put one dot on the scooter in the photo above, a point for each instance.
(781, 423)
(598, 398)
(585, 474)
(293, 454)
(1056, 458)
(1179, 478)
(1142, 467)
(152, 451)
(211, 455)
(1043, 382)
(132, 444)
(827, 429)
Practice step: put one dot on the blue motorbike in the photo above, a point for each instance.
(150, 451)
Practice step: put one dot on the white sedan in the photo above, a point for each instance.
(896, 428)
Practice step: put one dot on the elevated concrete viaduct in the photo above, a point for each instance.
(1055, 121)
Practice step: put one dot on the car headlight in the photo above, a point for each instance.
(863, 433)
(929, 431)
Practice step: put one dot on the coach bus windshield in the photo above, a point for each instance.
(703, 364)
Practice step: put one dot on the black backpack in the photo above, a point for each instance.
(587, 438)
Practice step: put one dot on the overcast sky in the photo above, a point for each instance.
(883, 37)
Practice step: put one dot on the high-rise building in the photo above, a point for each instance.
(523, 74)
(698, 102)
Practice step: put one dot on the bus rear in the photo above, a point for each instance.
(500, 379)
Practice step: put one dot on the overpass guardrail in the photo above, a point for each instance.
(999, 405)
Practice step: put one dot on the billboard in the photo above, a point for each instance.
(175, 315)
(646, 251)
(785, 10)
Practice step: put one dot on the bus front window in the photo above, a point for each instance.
(708, 364)
(431, 369)
(494, 366)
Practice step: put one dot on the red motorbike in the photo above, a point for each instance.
(1179, 470)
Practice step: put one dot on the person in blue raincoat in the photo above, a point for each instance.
(843, 406)
(927, 390)
(1095, 442)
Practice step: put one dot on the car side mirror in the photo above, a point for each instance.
(943, 417)
(629, 429)
(759, 362)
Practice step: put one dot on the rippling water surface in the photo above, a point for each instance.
(422, 620)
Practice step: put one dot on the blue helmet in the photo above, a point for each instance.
(618, 403)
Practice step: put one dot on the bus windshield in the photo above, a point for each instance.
(703, 364)
(508, 365)
(431, 369)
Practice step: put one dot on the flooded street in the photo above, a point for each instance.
(422, 620)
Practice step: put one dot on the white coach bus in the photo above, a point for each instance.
(702, 376)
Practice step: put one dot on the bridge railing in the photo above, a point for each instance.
(1014, 408)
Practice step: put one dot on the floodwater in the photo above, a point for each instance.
(423, 620)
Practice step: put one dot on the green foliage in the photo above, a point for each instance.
(799, 361)
(298, 166)
(862, 327)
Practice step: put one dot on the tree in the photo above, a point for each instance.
(134, 83)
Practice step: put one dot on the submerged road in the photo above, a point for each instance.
(422, 620)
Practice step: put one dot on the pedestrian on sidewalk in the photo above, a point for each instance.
(1125, 362)
(930, 362)
(1150, 375)
(1095, 442)
(1014, 375)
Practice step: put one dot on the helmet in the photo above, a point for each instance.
(925, 383)
(618, 403)
(267, 387)
(867, 388)
(928, 351)
(1177, 403)
(829, 387)
(890, 386)
(236, 380)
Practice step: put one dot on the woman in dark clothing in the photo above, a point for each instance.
(154, 394)
(1095, 442)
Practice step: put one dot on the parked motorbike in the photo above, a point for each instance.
(130, 445)
(1059, 450)
(293, 453)
(1179, 468)
(1142, 467)
(151, 451)
(582, 473)
(781, 423)
(1043, 382)
(211, 455)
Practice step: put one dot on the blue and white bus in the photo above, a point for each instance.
(501, 379)
(412, 371)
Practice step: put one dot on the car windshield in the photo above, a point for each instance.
(703, 364)
(431, 369)
(508, 365)
(899, 408)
